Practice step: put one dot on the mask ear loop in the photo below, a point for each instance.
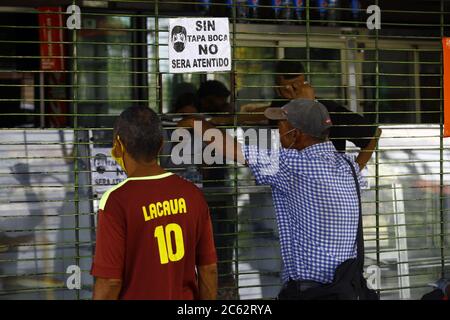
(121, 145)
(123, 151)
(285, 134)
(291, 145)
(117, 141)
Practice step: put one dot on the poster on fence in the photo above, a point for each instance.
(105, 173)
(199, 45)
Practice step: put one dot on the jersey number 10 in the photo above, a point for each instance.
(164, 236)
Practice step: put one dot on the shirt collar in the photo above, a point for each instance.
(323, 147)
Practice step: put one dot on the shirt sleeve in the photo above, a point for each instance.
(109, 256)
(268, 166)
(206, 250)
(351, 125)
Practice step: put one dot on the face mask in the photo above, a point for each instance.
(178, 42)
(286, 133)
(119, 161)
(178, 46)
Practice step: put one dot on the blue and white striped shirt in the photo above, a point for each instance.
(316, 206)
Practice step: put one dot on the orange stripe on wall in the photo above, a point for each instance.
(446, 51)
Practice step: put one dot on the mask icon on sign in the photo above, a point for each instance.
(100, 163)
(178, 37)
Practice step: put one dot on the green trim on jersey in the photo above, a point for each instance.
(107, 193)
(159, 176)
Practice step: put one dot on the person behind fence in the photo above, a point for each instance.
(154, 235)
(213, 102)
(314, 193)
(210, 102)
(347, 125)
(184, 105)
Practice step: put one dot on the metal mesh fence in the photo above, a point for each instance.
(61, 89)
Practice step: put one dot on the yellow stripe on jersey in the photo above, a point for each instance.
(159, 176)
(107, 193)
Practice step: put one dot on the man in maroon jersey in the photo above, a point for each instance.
(154, 235)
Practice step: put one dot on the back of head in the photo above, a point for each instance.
(186, 99)
(212, 88)
(139, 129)
(183, 88)
(289, 69)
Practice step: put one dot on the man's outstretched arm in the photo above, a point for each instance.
(229, 148)
(366, 153)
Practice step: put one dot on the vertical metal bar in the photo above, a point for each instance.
(159, 79)
(139, 65)
(441, 152)
(76, 139)
(377, 154)
(416, 70)
(308, 30)
(351, 48)
(42, 98)
(235, 177)
(401, 240)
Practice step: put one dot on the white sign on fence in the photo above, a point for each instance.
(199, 45)
(105, 172)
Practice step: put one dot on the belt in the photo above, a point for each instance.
(302, 285)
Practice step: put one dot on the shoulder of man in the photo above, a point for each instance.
(188, 186)
(278, 102)
(340, 113)
(110, 195)
(333, 106)
(182, 182)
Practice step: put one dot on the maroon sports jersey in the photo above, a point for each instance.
(152, 232)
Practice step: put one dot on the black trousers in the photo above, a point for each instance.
(298, 290)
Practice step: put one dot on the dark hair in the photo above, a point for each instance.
(212, 88)
(184, 99)
(139, 129)
(178, 29)
(289, 69)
